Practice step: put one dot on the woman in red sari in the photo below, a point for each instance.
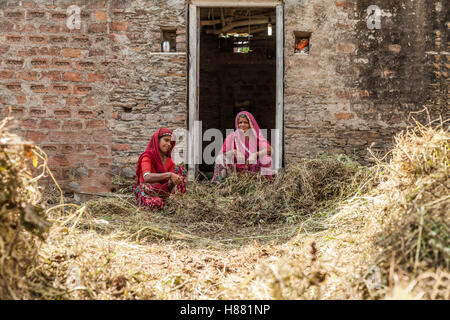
(244, 150)
(156, 173)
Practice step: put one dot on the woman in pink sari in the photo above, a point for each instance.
(156, 173)
(244, 150)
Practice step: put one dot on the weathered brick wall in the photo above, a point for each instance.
(55, 80)
(358, 86)
(92, 97)
(150, 87)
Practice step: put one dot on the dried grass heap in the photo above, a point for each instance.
(389, 242)
(22, 220)
(298, 191)
(119, 251)
(251, 201)
(413, 226)
(352, 232)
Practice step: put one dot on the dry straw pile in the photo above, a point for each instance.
(23, 222)
(300, 190)
(391, 242)
(325, 228)
(413, 225)
(244, 205)
(115, 250)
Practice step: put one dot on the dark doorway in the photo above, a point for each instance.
(237, 68)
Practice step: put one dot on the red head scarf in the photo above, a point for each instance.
(152, 151)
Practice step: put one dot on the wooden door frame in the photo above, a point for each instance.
(194, 145)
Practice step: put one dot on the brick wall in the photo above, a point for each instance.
(149, 87)
(91, 98)
(54, 79)
(358, 86)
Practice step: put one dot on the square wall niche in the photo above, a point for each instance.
(168, 40)
(302, 42)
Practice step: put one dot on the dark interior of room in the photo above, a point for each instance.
(237, 68)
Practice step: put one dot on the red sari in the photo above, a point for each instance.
(152, 195)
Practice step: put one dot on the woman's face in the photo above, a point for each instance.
(164, 144)
(243, 124)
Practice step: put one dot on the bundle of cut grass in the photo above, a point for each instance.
(390, 241)
(413, 227)
(243, 203)
(252, 199)
(122, 185)
(111, 206)
(22, 220)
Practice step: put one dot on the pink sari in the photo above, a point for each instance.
(152, 195)
(246, 145)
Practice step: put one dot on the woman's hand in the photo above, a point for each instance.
(175, 179)
(252, 158)
(240, 158)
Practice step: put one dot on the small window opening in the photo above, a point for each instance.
(168, 40)
(302, 42)
(240, 41)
